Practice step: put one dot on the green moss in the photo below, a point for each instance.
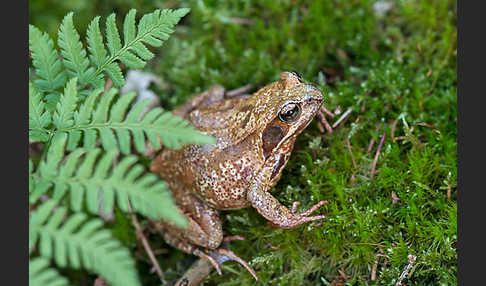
(396, 69)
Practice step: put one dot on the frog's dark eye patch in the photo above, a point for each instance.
(271, 136)
(289, 113)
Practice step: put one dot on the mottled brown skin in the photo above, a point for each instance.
(253, 146)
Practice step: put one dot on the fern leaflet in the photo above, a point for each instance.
(105, 119)
(73, 52)
(62, 118)
(90, 178)
(39, 117)
(41, 275)
(78, 242)
(45, 60)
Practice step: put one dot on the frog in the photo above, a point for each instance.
(255, 136)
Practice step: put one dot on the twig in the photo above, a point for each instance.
(327, 125)
(352, 179)
(426, 125)
(341, 119)
(393, 127)
(197, 273)
(108, 84)
(375, 266)
(323, 120)
(239, 90)
(373, 166)
(411, 261)
(326, 111)
(100, 282)
(243, 21)
(345, 277)
(370, 146)
(351, 152)
(146, 245)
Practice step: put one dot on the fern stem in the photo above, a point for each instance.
(121, 125)
(46, 146)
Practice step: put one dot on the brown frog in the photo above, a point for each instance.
(255, 136)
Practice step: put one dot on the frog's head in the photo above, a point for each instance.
(289, 106)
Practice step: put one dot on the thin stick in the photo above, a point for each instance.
(108, 84)
(393, 127)
(243, 21)
(345, 277)
(239, 91)
(327, 111)
(322, 119)
(373, 166)
(351, 152)
(372, 142)
(146, 245)
(426, 125)
(326, 124)
(341, 119)
(196, 274)
(375, 266)
(411, 261)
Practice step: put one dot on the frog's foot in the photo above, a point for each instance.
(222, 254)
(303, 217)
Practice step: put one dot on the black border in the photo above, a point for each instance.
(14, 188)
(471, 117)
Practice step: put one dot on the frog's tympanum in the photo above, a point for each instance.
(254, 138)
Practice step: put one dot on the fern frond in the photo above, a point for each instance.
(73, 52)
(153, 29)
(87, 176)
(106, 119)
(78, 242)
(63, 117)
(41, 275)
(45, 60)
(39, 117)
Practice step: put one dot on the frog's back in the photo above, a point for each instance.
(221, 177)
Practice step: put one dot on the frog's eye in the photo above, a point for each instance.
(289, 112)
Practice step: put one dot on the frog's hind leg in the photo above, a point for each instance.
(223, 254)
(203, 236)
(215, 256)
(212, 95)
(204, 227)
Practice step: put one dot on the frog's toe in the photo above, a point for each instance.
(223, 254)
(215, 262)
(314, 208)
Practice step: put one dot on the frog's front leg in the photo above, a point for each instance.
(270, 208)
